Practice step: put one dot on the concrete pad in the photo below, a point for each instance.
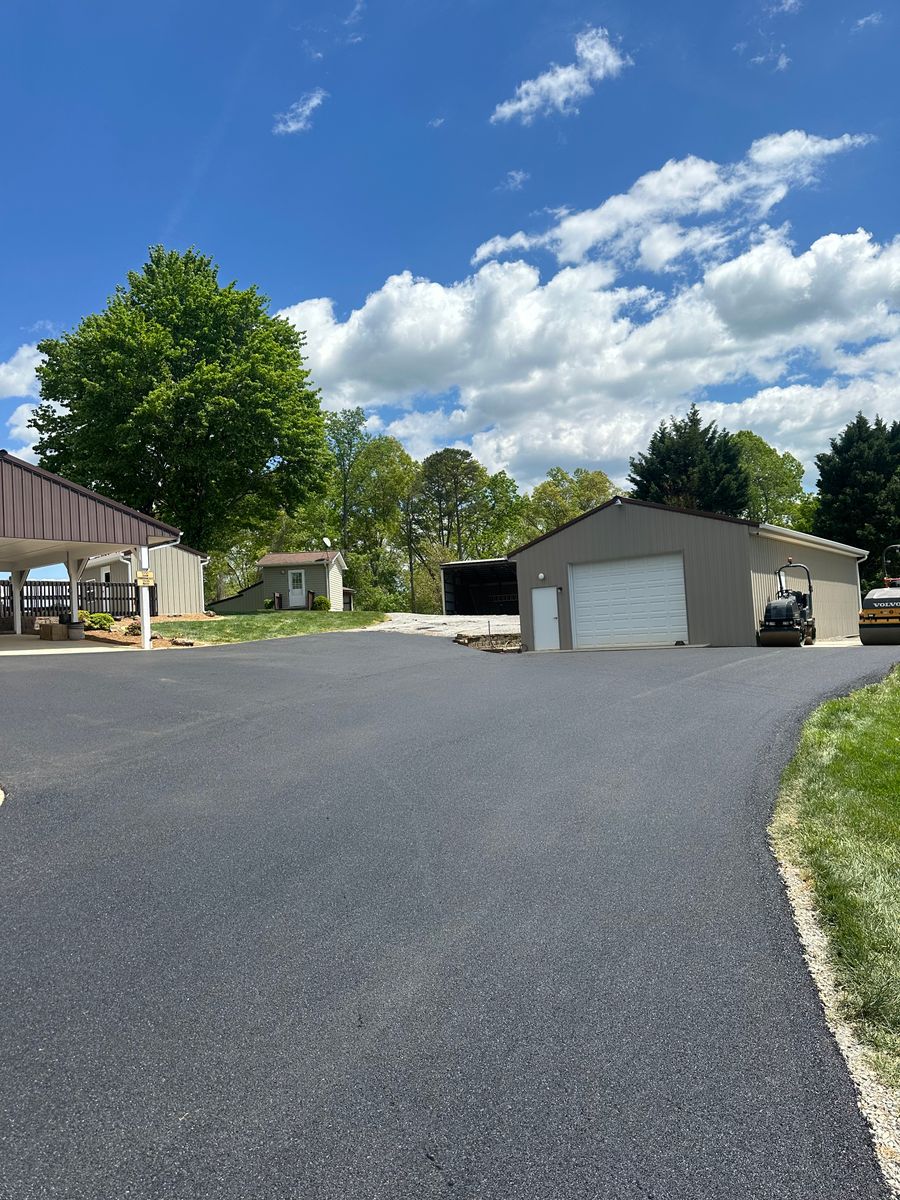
(25, 644)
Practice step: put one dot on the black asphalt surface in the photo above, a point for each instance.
(376, 917)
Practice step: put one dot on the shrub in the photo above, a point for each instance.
(321, 604)
(134, 629)
(96, 620)
(269, 602)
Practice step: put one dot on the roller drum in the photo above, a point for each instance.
(879, 635)
(780, 637)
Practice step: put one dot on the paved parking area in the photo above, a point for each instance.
(384, 918)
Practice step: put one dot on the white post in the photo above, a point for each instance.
(17, 578)
(72, 569)
(144, 597)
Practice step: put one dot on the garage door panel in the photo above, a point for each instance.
(637, 601)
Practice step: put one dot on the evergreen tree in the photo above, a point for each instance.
(859, 488)
(692, 465)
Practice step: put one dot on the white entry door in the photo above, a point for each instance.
(296, 590)
(629, 602)
(545, 615)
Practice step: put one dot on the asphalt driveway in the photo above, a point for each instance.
(381, 917)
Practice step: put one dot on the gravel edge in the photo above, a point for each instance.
(879, 1105)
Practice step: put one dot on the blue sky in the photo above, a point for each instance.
(352, 158)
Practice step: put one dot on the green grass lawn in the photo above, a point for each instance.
(838, 821)
(256, 627)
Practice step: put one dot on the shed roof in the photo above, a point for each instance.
(754, 526)
(475, 562)
(43, 516)
(305, 558)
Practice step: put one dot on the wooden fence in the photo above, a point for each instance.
(52, 598)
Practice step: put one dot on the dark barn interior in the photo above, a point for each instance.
(483, 587)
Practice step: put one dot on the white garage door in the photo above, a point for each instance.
(630, 602)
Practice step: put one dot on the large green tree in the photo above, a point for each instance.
(692, 465)
(347, 439)
(451, 487)
(775, 480)
(184, 398)
(383, 478)
(859, 488)
(562, 497)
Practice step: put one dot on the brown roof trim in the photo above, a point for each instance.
(686, 512)
(302, 558)
(97, 497)
(475, 562)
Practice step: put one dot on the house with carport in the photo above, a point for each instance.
(45, 519)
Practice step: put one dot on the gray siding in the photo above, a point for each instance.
(118, 572)
(716, 567)
(179, 581)
(250, 600)
(336, 585)
(835, 581)
(275, 579)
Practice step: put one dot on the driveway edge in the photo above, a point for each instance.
(879, 1105)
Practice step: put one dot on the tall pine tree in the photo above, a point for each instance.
(859, 488)
(692, 465)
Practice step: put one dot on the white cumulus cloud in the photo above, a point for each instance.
(690, 188)
(298, 118)
(17, 377)
(560, 89)
(578, 366)
(874, 18)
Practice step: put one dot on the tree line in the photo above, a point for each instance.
(397, 520)
(185, 399)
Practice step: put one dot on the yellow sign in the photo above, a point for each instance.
(144, 578)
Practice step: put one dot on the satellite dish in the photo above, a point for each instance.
(327, 542)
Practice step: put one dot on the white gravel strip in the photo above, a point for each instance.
(878, 1104)
(435, 625)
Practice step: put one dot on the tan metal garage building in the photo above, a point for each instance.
(631, 573)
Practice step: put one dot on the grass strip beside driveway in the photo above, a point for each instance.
(257, 627)
(838, 821)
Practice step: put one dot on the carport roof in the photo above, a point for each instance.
(45, 518)
(761, 527)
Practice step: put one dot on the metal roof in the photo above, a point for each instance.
(775, 531)
(471, 562)
(305, 558)
(810, 539)
(36, 505)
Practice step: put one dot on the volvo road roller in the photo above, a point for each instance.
(788, 619)
(879, 617)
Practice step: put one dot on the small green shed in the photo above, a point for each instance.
(290, 581)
